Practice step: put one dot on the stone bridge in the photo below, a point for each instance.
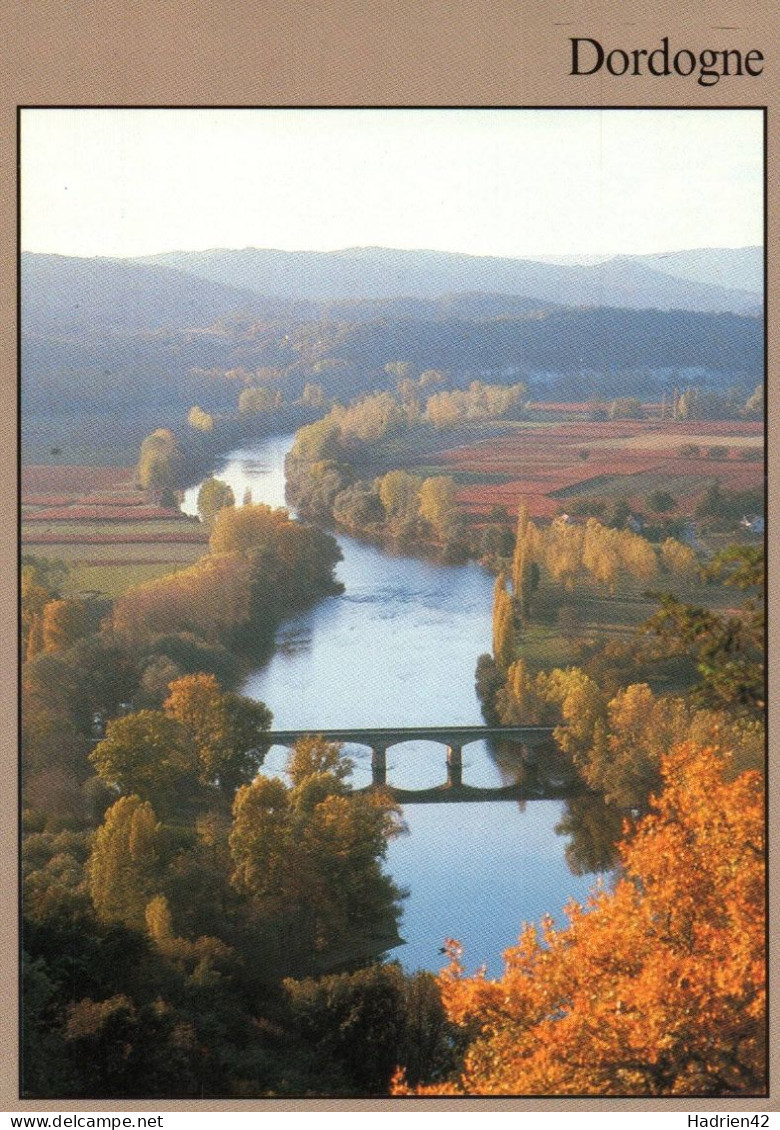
(454, 738)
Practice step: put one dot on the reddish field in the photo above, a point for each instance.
(190, 537)
(90, 513)
(68, 511)
(75, 479)
(547, 464)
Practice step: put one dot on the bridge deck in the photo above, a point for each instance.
(381, 738)
(387, 736)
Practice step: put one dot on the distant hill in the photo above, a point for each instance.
(71, 296)
(735, 268)
(648, 282)
(125, 346)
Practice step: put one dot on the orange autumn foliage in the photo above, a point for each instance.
(654, 988)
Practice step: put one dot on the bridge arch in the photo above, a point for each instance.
(453, 738)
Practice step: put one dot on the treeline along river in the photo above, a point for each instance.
(399, 648)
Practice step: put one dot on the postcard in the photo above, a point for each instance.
(392, 617)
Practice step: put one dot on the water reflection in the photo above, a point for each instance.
(593, 828)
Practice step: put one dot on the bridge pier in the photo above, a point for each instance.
(454, 766)
(379, 765)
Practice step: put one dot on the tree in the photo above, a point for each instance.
(246, 528)
(226, 729)
(624, 763)
(199, 420)
(318, 441)
(503, 624)
(36, 592)
(121, 1049)
(309, 859)
(148, 753)
(661, 501)
(399, 493)
(123, 866)
(583, 710)
(518, 702)
(437, 503)
(626, 408)
(62, 623)
(679, 559)
(358, 506)
(353, 1026)
(253, 401)
(159, 461)
(488, 680)
(727, 648)
(754, 405)
(211, 599)
(655, 988)
(212, 497)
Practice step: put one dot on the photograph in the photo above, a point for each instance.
(392, 613)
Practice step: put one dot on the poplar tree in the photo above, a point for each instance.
(503, 623)
(121, 870)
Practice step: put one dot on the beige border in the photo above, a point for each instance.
(333, 52)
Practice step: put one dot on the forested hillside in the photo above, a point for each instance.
(103, 338)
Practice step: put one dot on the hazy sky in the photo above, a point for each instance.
(488, 182)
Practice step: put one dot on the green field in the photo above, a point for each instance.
(113, 579)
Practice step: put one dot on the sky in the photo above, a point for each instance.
(512, 183)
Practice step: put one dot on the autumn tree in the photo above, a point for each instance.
(309, 858)
(318, 441)
(563, 546)
(626, 408)
(518, 701)
(357, 1027)
(122, 870)
(754, 405)
(159, 461)
(655, 987)
(289, 564)
(352, 1025)
(624, 762)
(213, 495)
(211, 598)
(370, 419)
(148, 753)
(437, 503)
(226, 729)
(399, 494)
(247, 528)
(35, 594)
(253, 401)
(62, 623)
(679, 559)
(200, 420)
(119, 1048)
(582, 706)
(503, 623)
(525, 568)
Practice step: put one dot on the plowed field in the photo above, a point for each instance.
(543, 466)
(69, 511)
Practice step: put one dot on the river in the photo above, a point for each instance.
(399, 648)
